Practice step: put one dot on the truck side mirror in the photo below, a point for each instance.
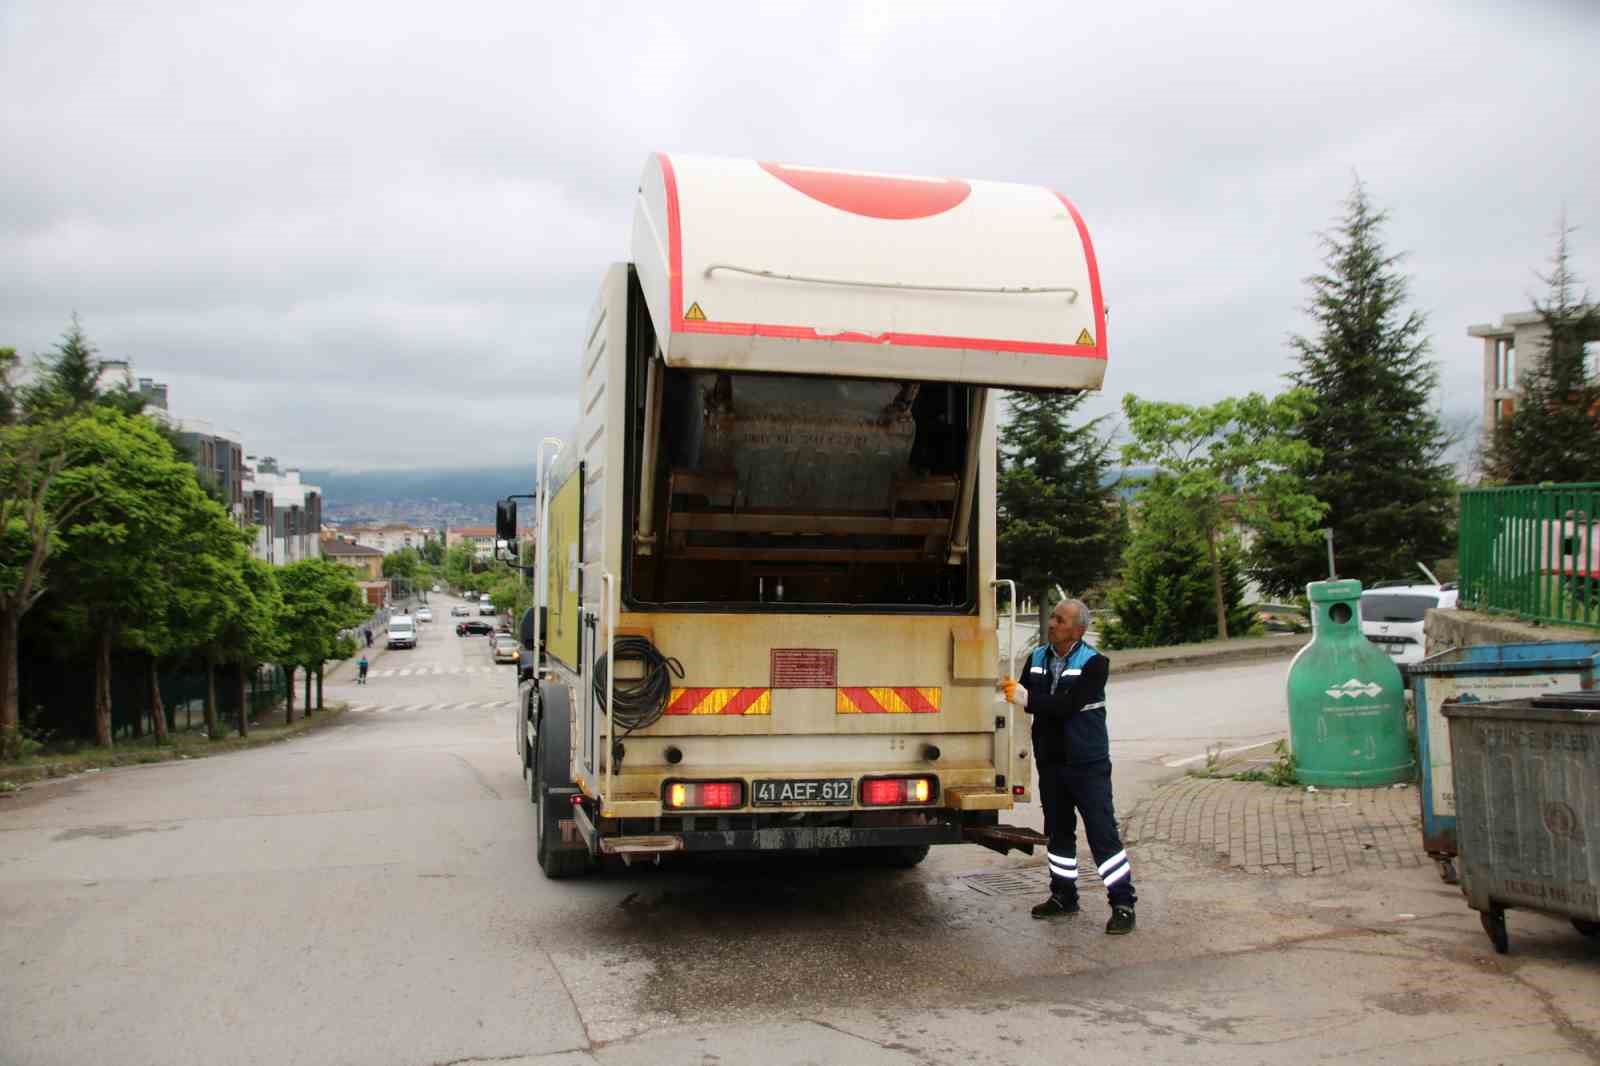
(505, 520)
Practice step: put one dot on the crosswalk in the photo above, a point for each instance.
(472, 705)
(437, 671)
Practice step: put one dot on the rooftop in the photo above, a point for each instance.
(348, 548)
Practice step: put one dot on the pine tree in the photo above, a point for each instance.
(1059, 522)
(1381, 467)
(1553, 434)
(69, 380)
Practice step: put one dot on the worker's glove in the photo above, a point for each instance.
(1015, 693)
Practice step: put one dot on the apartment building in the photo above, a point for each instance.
(285, 511)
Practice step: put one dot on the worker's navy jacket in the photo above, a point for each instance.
(1068, 704)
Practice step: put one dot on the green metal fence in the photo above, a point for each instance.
(1533, 551)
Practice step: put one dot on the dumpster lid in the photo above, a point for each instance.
(1583, 701)
(1567, 708)
(1504, 658)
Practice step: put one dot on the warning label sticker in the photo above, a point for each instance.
(1085, 337)
(694, 314)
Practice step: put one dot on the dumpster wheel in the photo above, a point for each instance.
(1494, 923)
(1447, 872)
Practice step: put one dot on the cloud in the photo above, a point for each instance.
(322, 224)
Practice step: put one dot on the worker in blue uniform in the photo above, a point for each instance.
(1063, 687)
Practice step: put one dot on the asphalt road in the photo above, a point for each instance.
(368, 894)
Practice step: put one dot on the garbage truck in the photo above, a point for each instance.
(767, 611)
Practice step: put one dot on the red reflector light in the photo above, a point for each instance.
(896, 791)
(1017, 790)
(705, 795)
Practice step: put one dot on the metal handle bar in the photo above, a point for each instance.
(813, 279)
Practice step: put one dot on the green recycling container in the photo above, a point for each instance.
(1347, 704)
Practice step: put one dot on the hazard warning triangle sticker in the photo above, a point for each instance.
(694, 314)
(1084, 337)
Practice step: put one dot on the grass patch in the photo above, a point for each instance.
(1282, 773)
(194, 744)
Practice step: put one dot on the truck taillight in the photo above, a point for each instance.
(705, 795)
(896, 791)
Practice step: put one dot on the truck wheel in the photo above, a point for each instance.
(1494, 924)
(552, 768)
(905, 857)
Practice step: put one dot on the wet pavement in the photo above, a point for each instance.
(367, 894)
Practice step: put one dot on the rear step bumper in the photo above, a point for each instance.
(789, 838)
(1003, 838)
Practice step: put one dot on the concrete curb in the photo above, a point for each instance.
(1247, 649)
(42, 772)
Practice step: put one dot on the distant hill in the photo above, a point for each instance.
(472, 487)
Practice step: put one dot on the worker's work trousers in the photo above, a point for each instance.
(1067, 792)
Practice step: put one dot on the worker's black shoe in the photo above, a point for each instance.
(1055, 907)
(1121, 922)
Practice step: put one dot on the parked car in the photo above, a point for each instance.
(459, 611)
(487, 609)
(1392, 614)
(424, 614)
(473, 628)
(436, 588)
(506, 648)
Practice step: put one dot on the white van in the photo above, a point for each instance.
(402, 631)
(1392, 615)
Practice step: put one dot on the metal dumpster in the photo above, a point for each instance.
(1527, 792)
(1474, 674)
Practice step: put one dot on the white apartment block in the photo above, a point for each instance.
(389, 538)
(285, 511)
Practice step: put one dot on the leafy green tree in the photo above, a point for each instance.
(1377, 443)
(1233, 462)
(254, 633)
(1058, 521)
(1164, 594)
(33, 508)
(433, 552)
(320, 599)
(458, 564)
(1553, 433)
(403, 563)
(210, 602)
(110, 572)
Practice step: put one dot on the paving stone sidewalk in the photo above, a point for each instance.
(1260, 829)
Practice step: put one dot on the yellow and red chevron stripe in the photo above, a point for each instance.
(748, 701)
(892, 700)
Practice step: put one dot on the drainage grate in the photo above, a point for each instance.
(1007, 883)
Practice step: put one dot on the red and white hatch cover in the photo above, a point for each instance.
(790, 269)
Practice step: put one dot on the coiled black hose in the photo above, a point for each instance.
(640, 702)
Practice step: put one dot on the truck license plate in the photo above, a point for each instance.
(809, 792)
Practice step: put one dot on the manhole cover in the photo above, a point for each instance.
(1005, 883)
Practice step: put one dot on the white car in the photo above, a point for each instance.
(424, 614)
(1392, 616)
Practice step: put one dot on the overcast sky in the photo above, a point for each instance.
(368, 235)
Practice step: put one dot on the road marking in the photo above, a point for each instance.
(483, 705)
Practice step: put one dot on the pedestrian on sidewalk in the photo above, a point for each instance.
(361, 669)
(368, 632)
(1064, 688)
